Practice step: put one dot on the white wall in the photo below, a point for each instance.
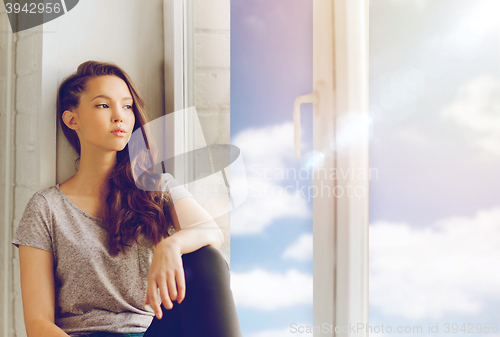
(127, 33)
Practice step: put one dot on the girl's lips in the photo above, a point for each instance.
(119, 133)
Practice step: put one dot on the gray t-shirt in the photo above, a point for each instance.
(93, 290)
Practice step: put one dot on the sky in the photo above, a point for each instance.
(271, 232)
(434, 140)
(435, 209)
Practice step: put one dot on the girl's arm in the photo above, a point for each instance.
(38, 294)
(195, 229)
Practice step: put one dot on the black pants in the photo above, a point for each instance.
(208, 309)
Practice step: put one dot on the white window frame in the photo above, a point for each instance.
(179, 87)
(351, 219)
(7, 117)
(340, 223)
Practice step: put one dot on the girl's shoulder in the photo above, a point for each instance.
(48, 191)
(35, 226)
(174, 188)
(41, 198)
(45, 197)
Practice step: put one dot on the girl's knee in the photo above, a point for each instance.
(205, 267)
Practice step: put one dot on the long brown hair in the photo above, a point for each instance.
(129, 210)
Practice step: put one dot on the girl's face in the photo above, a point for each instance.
(104, 118)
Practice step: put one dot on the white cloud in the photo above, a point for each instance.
(264, 290)
(451, 267)
(269, 146)
(301, 250)
(476, 22)
(477, 110)
(267, 153)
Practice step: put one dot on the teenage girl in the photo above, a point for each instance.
(98, 253)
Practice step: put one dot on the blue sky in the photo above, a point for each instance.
(435, 206)
(271, 233)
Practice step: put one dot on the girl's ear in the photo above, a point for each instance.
(69, 118)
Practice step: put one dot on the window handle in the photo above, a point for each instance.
(310, 98)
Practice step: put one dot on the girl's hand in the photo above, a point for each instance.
(166, 273)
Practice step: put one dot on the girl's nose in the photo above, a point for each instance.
(117, 115)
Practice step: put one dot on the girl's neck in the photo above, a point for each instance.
(93, 174)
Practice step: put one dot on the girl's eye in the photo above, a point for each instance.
(104, 105)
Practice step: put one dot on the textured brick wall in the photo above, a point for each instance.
(212, 85)
(212, 68)
(27, 105)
